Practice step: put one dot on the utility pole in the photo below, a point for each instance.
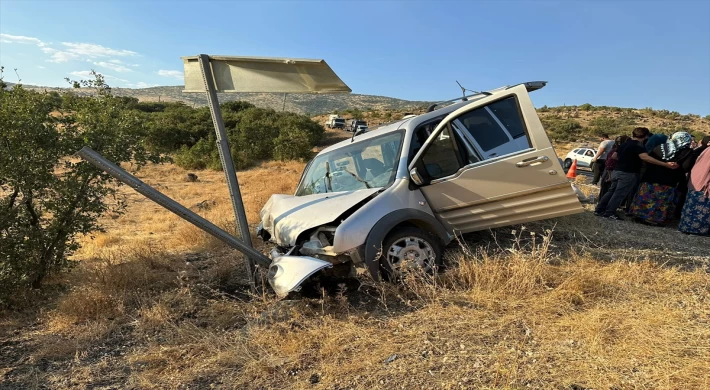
(284, 105)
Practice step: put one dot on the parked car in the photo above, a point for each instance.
(583, 156)
(335, 122)
(362, 128)
(354, 123)
(391, 199)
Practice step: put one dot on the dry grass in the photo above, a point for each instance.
(154, 303)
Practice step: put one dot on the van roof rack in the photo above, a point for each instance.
(529, 86)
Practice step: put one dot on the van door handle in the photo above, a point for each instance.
(531, 161)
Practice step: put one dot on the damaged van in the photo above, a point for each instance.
(390, 199)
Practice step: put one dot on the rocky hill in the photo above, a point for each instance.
(313, 104)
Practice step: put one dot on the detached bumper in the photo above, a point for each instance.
(286, 273)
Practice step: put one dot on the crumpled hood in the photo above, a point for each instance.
(287, 216)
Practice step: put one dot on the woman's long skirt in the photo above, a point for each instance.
(695, 218)
(654, 203)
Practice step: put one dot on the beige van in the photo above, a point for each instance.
(390, 199)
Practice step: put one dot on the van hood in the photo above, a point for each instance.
(287, 216)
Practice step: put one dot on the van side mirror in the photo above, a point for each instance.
(415, 177)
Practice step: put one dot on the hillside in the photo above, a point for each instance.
(300, 103)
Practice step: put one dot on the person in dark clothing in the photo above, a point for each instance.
(656, 199)
(630, 154)
(599, 159)
(704, 144)
(655, 140)
(605, 181)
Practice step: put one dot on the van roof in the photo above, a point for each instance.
(414, 121)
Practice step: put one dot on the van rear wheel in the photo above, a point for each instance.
(410, 250)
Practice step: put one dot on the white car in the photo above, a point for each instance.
(362, 128)
(583, 156)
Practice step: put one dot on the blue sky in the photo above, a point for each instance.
(631, 54)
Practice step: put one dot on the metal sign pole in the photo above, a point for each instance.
(227, 163)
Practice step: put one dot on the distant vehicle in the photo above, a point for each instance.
(362, 128)
(583, 156)
(354, 123)
(335, 122)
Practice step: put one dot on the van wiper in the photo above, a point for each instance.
(359, 179)
(327, 176)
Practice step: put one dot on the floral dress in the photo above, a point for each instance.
(695, 218)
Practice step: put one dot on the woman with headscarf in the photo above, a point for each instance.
(656, 198)
(696, 212)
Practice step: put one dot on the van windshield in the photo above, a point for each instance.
(365, 164)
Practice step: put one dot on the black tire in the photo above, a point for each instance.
(568, 164)
(389, 261)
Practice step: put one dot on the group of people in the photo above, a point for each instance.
(655, 179)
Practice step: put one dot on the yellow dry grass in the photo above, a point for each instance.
(156, 304)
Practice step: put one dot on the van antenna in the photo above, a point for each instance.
(463, 91)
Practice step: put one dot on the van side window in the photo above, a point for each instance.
(496, 129)
(484, 129)
(506, 111)
(421, 134)
(441, 158)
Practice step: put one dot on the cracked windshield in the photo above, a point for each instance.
(366, 164)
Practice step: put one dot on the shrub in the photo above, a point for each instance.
(255, 134)
(562, 129)
(293, 144)
(47, 197)
(611, 126)
(202, 155)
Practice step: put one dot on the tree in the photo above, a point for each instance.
(255, 134)
(47, 196)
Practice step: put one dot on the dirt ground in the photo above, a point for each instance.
(571, 303)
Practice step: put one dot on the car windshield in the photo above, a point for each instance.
(366, 164)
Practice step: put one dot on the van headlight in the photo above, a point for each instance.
(275, 271)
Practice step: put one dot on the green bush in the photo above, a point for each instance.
(611, 126)
(255, 134)
(562, 129)
(47, 197)
(202, 155)
(293, 144)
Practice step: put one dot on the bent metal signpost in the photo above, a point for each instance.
(225, 74)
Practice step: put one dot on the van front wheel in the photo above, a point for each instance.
(410, 250)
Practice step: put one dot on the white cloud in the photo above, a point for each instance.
(40, 66)
(86, 52)
(171, 73)
(59, 56)
(91, 50)
(142, 84)
(7, 38)
(86, 74)
(81, 73)
(113, 66)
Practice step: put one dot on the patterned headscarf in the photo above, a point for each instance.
(679, 141)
